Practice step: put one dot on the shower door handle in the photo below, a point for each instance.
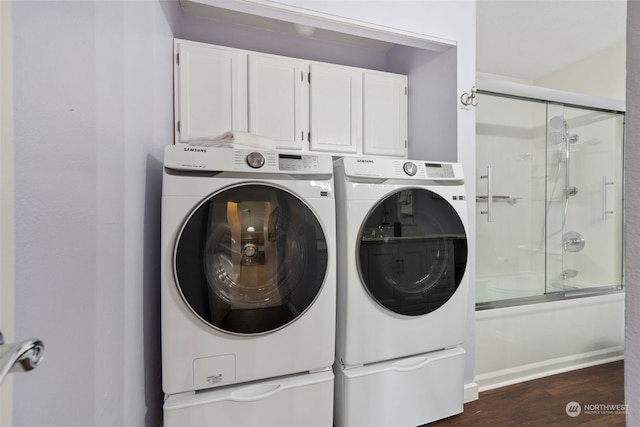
(604, 197)
(489, 211)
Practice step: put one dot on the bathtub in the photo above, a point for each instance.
(523, 342)
(508, 286)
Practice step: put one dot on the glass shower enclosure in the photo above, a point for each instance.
(549, 200)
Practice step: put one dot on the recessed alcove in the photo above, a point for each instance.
(430, 63)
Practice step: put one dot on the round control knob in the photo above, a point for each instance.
(250, 251)
(410, 168)
(255, 160)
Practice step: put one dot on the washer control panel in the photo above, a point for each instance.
(254, 159)
(279, 161)
(220, 159)
(294, 162)
(439, 170)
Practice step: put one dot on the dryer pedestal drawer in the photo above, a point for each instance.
(401, 393)
(296, 400)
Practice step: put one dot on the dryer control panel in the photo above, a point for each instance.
(401, 169)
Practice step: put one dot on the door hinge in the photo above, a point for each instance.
(177, 58)
(406, 91)
(308, 136)
(309, 78)
(178, 125)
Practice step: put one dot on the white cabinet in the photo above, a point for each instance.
(335, 108)
(358, 111)
(299, 104)
(278, 99)
(212, 97)
(384, 114)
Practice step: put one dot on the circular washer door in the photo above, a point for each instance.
(412, 252)
(250, 259)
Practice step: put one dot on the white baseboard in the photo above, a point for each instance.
(518, 374)
(471, 392)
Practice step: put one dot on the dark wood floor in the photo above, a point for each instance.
(543, 402)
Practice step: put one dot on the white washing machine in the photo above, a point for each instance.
(248, 275)
(402, 291)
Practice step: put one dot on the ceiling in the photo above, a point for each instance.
(528, 39)
(521, 39)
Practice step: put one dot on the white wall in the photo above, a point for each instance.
(602, 74)
(632, 195)
(93, 110)
(220, 32)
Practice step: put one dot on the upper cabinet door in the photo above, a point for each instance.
(385, 114)
(335, 108)
(210, 87)
(278, 99)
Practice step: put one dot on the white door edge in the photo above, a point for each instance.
(6, 201)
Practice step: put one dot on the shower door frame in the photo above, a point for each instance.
(570, 100)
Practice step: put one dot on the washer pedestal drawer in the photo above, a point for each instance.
(401, 393)
(294, 400)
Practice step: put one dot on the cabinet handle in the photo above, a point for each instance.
(489, 211)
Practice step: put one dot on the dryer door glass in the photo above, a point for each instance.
(412, 252)
(250, 259)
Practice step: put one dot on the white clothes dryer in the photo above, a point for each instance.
(402, 255)
(402, 291)
(248, 266)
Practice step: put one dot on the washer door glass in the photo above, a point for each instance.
(412, 252)
(250, 259)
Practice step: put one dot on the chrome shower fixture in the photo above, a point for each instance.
(571, 191)
(561, 138)
(573, 241)
(562, 135)
(558, 122)
(556, 137)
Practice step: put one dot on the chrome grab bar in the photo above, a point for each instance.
(604, 197)
(19, 357)
(489, 211)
